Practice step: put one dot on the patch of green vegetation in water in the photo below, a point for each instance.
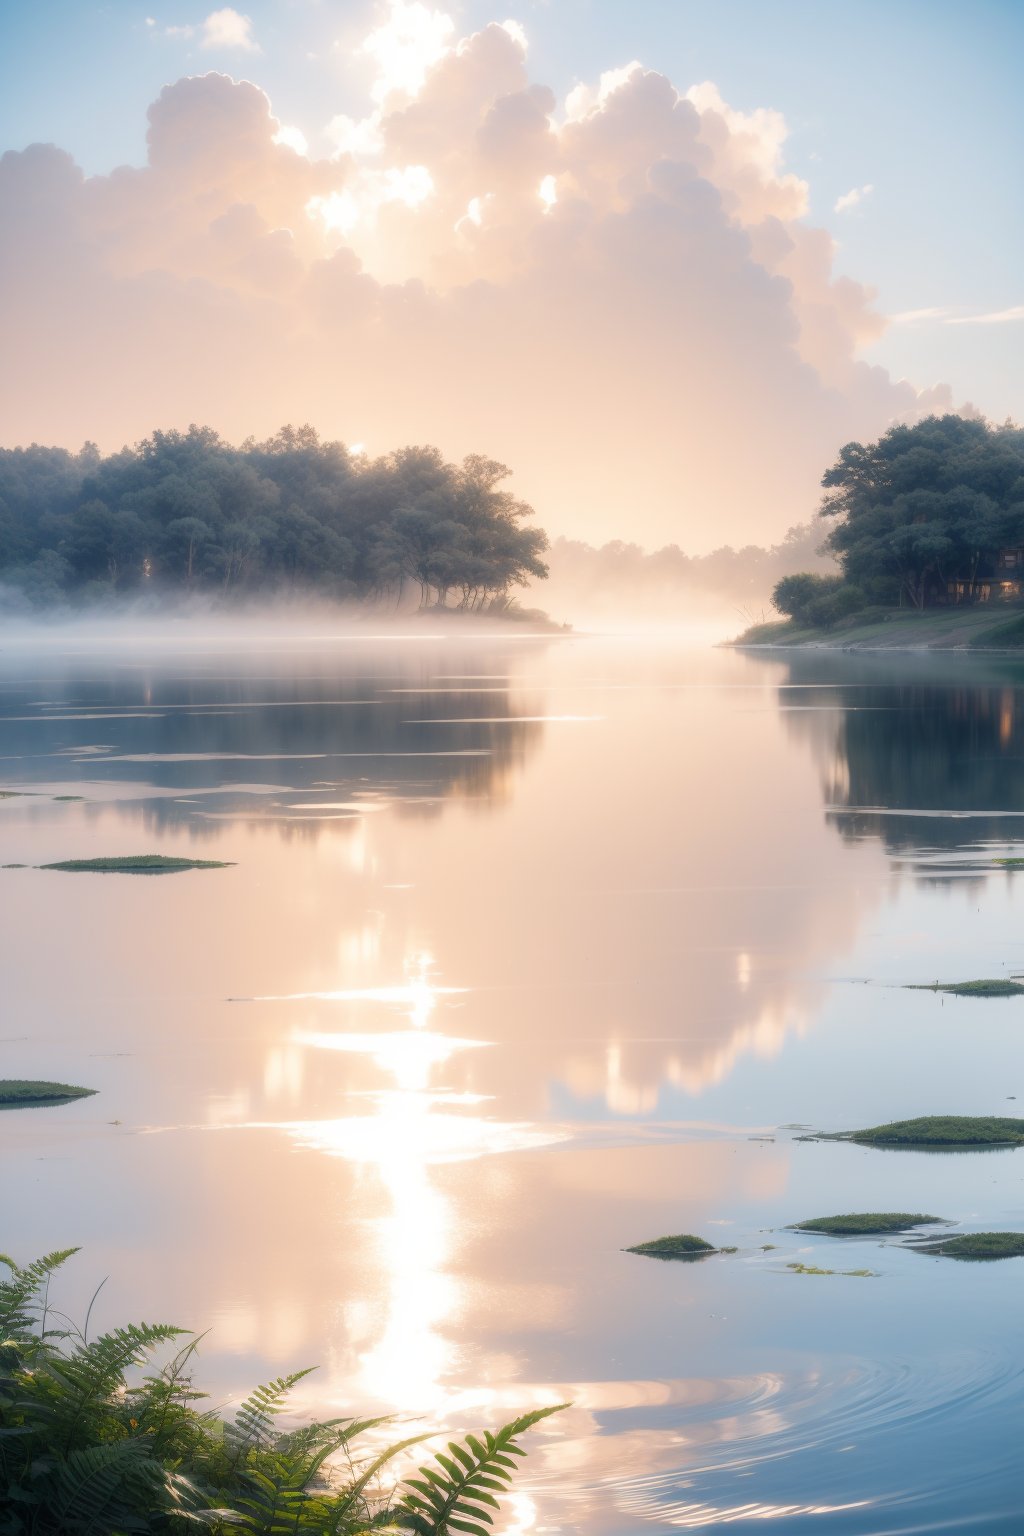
(136, 864)
(812, 1269)
(20, 1093)
(999, 987)
(69, 797)
(977, 1245)
(682, 1246)
(938, 1131)
(865, 1223)
(1009, 863)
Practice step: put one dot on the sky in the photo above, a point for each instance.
(662, 258)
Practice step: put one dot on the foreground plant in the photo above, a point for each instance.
(85, 1452)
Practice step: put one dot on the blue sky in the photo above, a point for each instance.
(920, 99)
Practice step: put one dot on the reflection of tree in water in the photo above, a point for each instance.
(302, 753)
(951, 740)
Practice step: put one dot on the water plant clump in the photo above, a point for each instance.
(88, 1450)
(812, 1269)
(136, 864)
(994, 987)
(939, 1131)
(23, 1093)
(682, 1246)
(865, 1223)
(977, 1245)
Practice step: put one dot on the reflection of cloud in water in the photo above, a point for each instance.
(625, 1083)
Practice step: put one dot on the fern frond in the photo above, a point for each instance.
(458, 1493)
(19, 1294)
(254, 1420)
(85, 1381)
(354, 1496)
(101, 1489)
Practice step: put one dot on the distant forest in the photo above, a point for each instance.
(620, 580)
(187, 512)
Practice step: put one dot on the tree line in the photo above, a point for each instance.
(187, 512)
(924, 507)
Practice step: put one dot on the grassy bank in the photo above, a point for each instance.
(987, 627)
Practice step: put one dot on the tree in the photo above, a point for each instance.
(183, 540)
(186, 509)
(925, 504)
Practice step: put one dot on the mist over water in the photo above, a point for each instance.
(533, 948)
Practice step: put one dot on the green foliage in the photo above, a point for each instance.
(865, 1223)
(682, 1246)
(996, 987)
(941, 1131)
(88, 1448)
(978, 1245)
(793, 595)
(135, 864)
(925, 504)
(816, 602)
(458, 1493)
(20, 1092)
(813, 1269)
(188, 512)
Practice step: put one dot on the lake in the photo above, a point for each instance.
(532, 949)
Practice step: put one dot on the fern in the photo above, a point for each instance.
(19, 1294)
(101, 1489)
(254, 1420)
(82, 1453)
(87, 1381)
(460, 1496)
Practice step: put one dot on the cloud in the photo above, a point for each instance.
(406, 46)
(293, 137)
(918, 316)
(944, 315)
(852, 198)
(996, 317)
(228, 28)
(624, 302)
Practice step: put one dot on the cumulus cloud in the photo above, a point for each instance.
(227, 28)
(618, 296)
(852, 198)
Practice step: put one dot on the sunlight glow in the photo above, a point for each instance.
(408, 1055)
(292, 138)
(340, 212)
(406, 47)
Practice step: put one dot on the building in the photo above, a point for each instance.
(1006, 581)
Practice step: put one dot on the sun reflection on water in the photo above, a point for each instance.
(416, 1123)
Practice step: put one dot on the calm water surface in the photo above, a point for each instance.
(534, 949)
